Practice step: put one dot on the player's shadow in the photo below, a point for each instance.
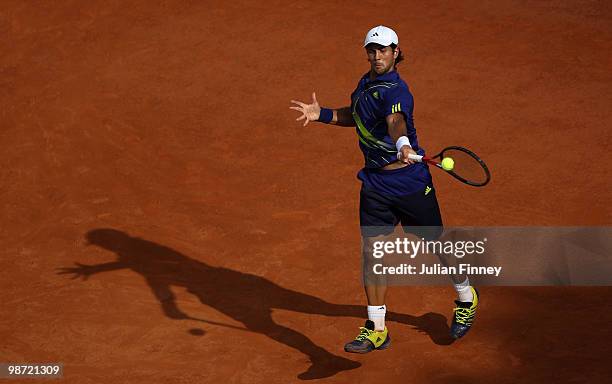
(246, 298)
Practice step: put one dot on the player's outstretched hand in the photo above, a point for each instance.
(310, 112)
(81, 270)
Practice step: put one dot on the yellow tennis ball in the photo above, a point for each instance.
(447, 164)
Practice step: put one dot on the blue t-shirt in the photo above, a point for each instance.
(371, 102)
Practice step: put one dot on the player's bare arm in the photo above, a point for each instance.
(396, 124)
(312, 112)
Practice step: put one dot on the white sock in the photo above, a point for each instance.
(376, 313)
(464, 291)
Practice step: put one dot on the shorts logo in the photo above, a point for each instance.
(396, 108)
(427, 190)
(375, 94)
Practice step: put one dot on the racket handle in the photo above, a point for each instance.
(414, 157)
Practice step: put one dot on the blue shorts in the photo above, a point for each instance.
(380, 213)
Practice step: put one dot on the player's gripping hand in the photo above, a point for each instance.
(402, 155)
(310, 112)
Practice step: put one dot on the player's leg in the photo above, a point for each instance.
(375, 285)
(376, 220)
(420, 213)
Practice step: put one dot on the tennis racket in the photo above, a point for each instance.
(468, 168)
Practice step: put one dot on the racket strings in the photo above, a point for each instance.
(466, 166)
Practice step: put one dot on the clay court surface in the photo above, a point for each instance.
(150, 148)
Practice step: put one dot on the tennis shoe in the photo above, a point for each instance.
(464, 314)
(369, 339)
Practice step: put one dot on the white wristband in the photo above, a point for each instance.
(401, 142)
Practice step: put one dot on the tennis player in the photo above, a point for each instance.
(395, 189)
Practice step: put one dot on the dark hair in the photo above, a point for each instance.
(400, 56)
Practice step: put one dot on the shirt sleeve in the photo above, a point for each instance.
(398, 99)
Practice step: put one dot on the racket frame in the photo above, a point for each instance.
(432, 161)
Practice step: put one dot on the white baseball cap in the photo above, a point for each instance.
(381, 35)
